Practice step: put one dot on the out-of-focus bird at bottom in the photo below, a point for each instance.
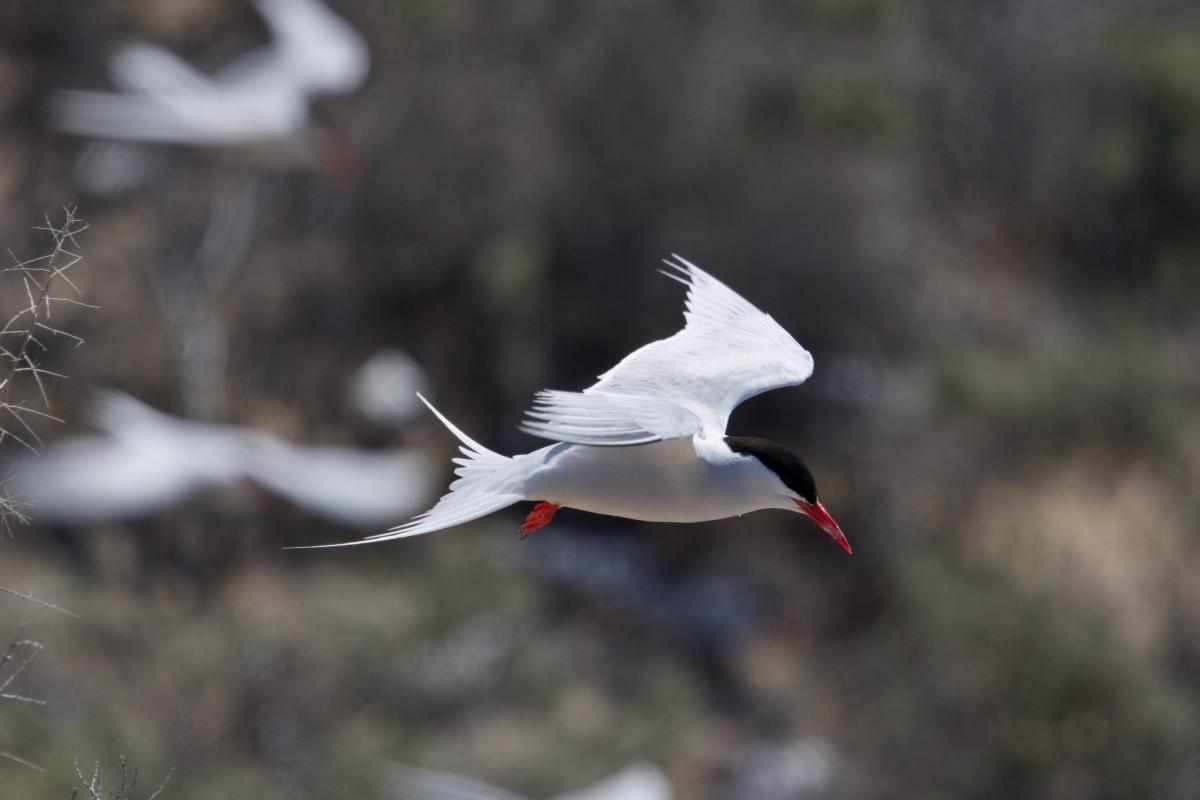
(641, 781)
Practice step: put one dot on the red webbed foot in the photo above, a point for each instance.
(541, 516)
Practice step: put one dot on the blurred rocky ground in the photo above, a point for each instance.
(980, 217)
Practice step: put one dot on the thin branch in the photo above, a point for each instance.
(15, 413)
(38, 293)
(58, 332)
(7, 434)
(10, 655)
(21, 761)
(163, 785)
(38, 601)
(94, 786)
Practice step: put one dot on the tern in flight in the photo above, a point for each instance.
(647, 441)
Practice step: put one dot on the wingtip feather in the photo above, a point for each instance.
(673, 276)
(681, 264)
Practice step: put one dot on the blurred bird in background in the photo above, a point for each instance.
(800, 770)
(148, 460)
(256, 113)
(259, 106)
(642, 781)
(262, 98)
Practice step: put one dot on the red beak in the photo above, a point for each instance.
(817, 513)
(340, 161)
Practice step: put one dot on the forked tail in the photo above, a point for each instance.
(485, 484)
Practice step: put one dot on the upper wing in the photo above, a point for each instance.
(145, 67)
(412, 783)
(314, 49)
(358, 487)
(641, 781)
(686, 384)
(211, 117)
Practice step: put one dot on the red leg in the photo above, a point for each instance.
(540, 516)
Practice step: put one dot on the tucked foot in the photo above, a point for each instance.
(541, 515)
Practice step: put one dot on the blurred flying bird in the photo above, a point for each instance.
(149, 460)
(636, 782)
(648, 440)
(262, 97)
(146, 461)
(803, 769)
(351, 486)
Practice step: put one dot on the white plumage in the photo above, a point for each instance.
(647, 441)
(687, 384)
(149, 460)
(641, 781)
(146, 460)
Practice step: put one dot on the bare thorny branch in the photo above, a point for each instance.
(42, 283)
(20, 654)
(38, 601)
(94, 789)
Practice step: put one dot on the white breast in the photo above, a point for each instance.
(659, 482)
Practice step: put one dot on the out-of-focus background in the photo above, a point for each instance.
(980, 217)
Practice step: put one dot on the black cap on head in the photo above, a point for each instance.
(777, 458)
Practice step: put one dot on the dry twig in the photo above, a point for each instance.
(42, 284)
(94, 789)
(38, 601)
(13, 656)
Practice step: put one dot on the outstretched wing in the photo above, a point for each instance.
(314, 49)
(686, 384)
(145, 67)
(202, 118)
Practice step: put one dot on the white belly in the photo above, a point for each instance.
(658, 482)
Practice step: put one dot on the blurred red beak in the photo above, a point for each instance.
(817, 513)
(340, 161)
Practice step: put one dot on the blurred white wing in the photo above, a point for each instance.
(145, 67)
(314, 49)
(411, 783)
(352, 486)
(149, 460)
(687, 384)
(204, 117)
(262, 95)
(636, 782)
